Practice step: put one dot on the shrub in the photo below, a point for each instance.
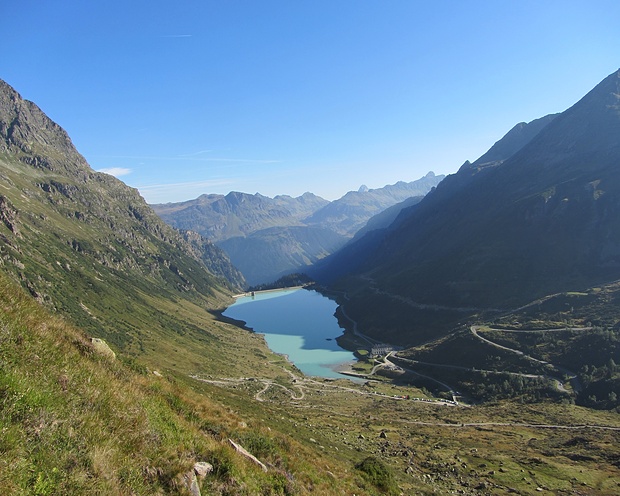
(378, 474)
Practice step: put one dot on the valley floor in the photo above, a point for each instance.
(437, 446)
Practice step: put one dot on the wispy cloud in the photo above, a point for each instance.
(194, 154)
(193, 157)
(116, 171)
(159, 193)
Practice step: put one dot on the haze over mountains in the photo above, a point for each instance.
(507, 276)
(270, 237)
(522, 222)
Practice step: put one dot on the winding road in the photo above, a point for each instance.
(572, 376)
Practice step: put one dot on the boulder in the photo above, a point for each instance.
(101, 347)
(202, 469)
(241, 450)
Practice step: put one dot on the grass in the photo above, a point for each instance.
(75, 422)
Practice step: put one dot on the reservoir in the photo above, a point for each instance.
(298, 323)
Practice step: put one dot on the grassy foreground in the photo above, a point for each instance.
(75, 421)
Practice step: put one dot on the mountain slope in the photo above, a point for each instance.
(545, 220)
(219, 217)
(386, 217)
(77, 421)
(267, 254)
(269, 237)
(351, 212)
(515, 139)
(86, 244)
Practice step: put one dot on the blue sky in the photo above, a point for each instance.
(282, 96)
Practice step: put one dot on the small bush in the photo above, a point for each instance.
(378, 474)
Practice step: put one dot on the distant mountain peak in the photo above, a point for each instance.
(363, 189)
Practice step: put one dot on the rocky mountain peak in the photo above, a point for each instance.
(40, 142)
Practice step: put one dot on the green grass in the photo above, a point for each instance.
(75, 422)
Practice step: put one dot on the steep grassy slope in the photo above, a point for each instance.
(87, 245)
(75, 421)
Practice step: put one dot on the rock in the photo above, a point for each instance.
(191, 483)
(383, 435)
(241, 450)
(101, 347)
(202, 469)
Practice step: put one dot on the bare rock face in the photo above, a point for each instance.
(39, 141)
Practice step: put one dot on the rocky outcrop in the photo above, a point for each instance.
(8, 215)
(242, 451)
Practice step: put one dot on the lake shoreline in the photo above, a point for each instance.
(298, 325)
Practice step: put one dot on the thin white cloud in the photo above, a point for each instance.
(194, 157)
(160, 193)
(193, 184)
(201, 152)
(116, 171)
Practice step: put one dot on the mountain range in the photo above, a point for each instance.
(118, 374)
(536, 215)
(267, 238)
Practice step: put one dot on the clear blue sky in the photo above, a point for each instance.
(286, 96)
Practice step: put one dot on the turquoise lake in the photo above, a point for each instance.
(298, 323)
